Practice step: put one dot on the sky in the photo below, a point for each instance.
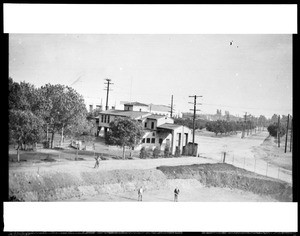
(252, 75)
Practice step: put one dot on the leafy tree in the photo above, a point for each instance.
(273, 128)
(65, 108)
(83, 129)
(124, 132)
(262, 120)
(274, 119)
(94, 113)
(24, 128)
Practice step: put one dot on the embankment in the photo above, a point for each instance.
(229, 176)
(56, 186)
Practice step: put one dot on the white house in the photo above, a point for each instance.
(160, 130)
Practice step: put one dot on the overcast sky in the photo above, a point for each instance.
(252, 75)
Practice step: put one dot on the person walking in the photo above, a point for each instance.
(176, 193)
(140, 194)
(97, 158)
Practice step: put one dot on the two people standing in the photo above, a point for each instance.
(140, 194)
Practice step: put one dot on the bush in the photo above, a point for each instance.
(143, 153)
(167, 151)
(156, 152)
(185, 151)
(272, 129)
(177, 152)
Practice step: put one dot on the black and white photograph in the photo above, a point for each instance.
(150, 118)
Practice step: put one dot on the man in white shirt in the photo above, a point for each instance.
(140, 194)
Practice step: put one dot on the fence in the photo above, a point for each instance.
(256, 165)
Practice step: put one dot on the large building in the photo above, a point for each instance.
(160, 130)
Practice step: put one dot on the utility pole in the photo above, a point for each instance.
(287, 132)
(107, 91)
(244, 130)
(278, 135)
(194, 118)
(291, 137)
(172, 106)
(248, 127)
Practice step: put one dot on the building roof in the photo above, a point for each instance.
(131, 114)
(169, 126)
(135, 104)
(161, 108)
(155, 117)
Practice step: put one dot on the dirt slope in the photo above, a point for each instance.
(229, 176)
(59, 185)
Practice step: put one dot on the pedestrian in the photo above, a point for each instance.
(176, 193)
(140, 194)
(97, 158)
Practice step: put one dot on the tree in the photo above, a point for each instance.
(24, 128)
(65, 107)
(124, 132)
(83, 129)
(262, 121)
(94, 113)
(272, 129)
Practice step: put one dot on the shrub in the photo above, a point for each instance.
(185, 151)
(272, 129)
(177, 152)
(143, 153)
(156, 152)
(167, 151)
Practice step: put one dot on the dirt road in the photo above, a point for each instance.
(88, 164)
(254, 153)
(187, 194)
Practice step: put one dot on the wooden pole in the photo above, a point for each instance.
(194, 117)
(291, 137)
(287, 131)
(278, 131)
(172, 106)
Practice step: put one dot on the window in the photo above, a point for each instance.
(102, 116)
(153, 140)
(148, 140)
(143, 140)
(108, 119)
(152, 125)
(153, 134)
(145, 124)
